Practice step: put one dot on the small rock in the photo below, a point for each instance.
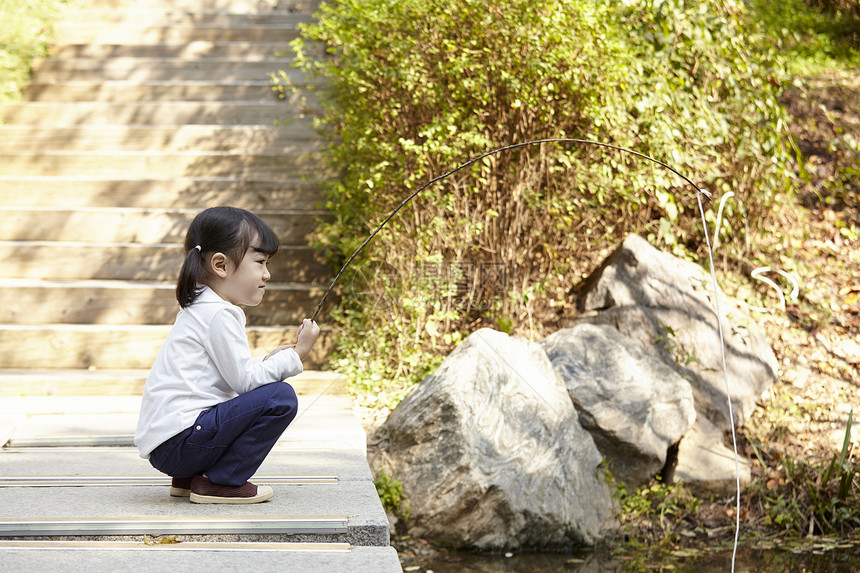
(707, 466)
(849, 350)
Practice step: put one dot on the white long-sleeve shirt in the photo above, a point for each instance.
(205, 360)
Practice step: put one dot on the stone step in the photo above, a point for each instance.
(66, 383)
(28, 301)
(247, 51)
(138, 70)
(122, 91)
(81, 33)
(48, 114)
(218, 27)
(141, 16)
(92, 391)
(349, 512)
(324, 444)
(53, 425)
(134, 261)
(234, 6)
(187, 192)
(117, 467)
(325, 426)
(109, 557)
(166, 164)
(31, 387)
(116, 347)
(244, 139)
(134, 225)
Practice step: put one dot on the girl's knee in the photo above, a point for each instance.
(283, 400)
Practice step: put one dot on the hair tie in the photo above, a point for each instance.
(198, 248)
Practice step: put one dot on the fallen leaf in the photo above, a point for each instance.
(166, 540)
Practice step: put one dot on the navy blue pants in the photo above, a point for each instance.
(230, 441)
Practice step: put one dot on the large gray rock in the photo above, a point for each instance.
(491, 454)
(667, 304)
(633, 404)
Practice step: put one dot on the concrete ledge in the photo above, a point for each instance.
(284, 557)
(325, 419)
(106, 526)
(347, 465)
(150, 510)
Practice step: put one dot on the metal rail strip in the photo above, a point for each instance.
(126, 440)
(208, 546)
(102, 481)
(252, 524)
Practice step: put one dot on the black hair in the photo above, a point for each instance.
(225, 230)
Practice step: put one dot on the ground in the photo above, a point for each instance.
(817, 337)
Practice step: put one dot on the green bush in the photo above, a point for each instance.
(814, 35)
(390, 493)
(24, 35)
(416, 87)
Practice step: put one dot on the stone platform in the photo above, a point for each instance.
(74, 491)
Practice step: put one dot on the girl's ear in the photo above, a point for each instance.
(218, 265)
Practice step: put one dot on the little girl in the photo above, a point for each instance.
(210, 412)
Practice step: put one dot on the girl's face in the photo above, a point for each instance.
(245, 284)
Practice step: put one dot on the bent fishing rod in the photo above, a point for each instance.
(476, 159)
(699, 193)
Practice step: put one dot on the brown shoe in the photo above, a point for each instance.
(204, 491)
(180, 487)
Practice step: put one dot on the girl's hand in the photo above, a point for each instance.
(306, 336)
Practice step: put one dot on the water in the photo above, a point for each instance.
(835, 558)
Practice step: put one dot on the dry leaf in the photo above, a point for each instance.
(165, 540)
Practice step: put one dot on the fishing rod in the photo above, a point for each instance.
(412, 195)
(699, 193)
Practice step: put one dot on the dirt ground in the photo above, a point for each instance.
(817, 337)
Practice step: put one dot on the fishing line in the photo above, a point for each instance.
(726, 379)
(699, 193)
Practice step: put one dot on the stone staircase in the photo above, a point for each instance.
(147, 112)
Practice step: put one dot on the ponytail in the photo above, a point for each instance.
(192, 276)
(225, 230)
